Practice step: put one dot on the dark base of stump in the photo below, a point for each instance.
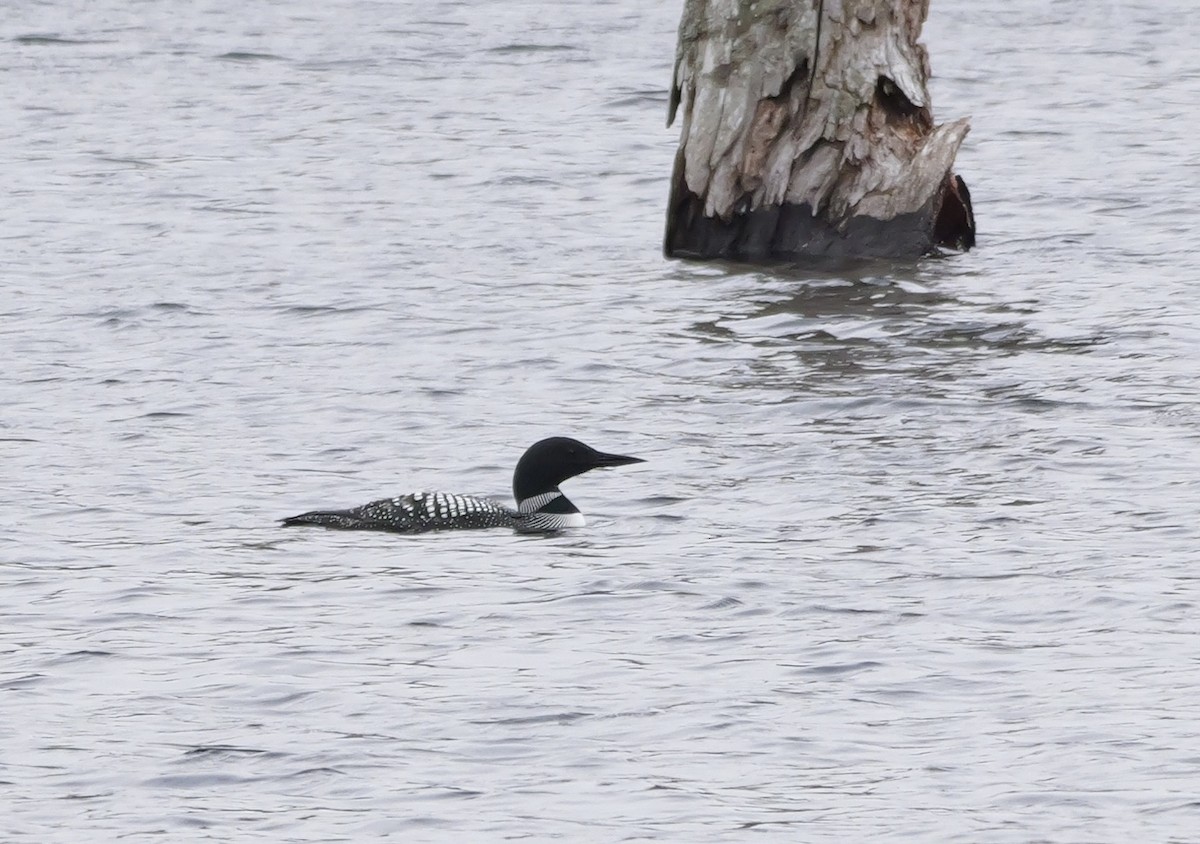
(791, 232)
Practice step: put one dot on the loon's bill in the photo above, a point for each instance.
(541, 505)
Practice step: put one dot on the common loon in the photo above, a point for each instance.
(541, 506)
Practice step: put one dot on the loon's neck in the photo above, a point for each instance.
(547, 512)
(551, 501)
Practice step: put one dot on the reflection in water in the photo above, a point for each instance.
(818, 334)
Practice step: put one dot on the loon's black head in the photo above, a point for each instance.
(547, 463)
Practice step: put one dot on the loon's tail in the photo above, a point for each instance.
(325, 518)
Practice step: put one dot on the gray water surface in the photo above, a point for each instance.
(914, 555)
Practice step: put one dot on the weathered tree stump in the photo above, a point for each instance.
(808, 133)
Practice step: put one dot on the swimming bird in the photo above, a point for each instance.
(541, 505)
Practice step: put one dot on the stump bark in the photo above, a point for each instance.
(808, 132)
